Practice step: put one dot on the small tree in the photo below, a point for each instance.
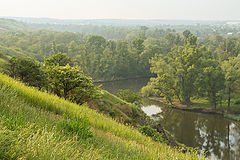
(27, 70)
(70, 83)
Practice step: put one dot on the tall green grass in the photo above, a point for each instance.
(29, 130)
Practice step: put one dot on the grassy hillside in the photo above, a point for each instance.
(37, 125)
(117, 108)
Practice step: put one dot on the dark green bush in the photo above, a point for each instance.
(237, 101)
(129, 96)
(112, 114)
(151, 132)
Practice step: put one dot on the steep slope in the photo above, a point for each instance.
(37, 125)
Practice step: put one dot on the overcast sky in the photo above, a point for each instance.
(123, 9)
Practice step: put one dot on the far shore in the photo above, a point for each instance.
(206, 110)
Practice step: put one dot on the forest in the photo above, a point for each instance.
(183, 65)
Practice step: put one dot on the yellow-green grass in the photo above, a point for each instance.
(38, 113)
(117, 108)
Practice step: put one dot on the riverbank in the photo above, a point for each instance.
(201, 109)
(132, 115)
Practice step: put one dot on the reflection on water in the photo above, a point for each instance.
(151, 110)
(207, 132)
(212, 133)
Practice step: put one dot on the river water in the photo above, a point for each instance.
(219, 136)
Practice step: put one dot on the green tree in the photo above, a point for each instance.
(231, 69)
(165, 84)
(60, 59)
(95, 44)
(185, 61)
(137, 45)
(72, 48)
(27, 70)
(66, 81)
(230, 47)
(211, 80)
(187, 34)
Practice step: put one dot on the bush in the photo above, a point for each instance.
(147, 91)
(112, 114)
(237, 101)
(129, 96)
(151, 132)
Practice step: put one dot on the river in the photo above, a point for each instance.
(219, 136)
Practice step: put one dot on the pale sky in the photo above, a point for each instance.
(123, 9)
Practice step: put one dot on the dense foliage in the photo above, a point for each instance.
(55, 75)
(196, 70)
(186, 66)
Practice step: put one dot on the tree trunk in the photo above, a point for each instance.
(215, 105)
(229, 97)
(221, 101)
(214, 100)
(188, 102)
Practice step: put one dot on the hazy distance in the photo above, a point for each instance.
(123, 9)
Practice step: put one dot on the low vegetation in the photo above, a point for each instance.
(129, 96)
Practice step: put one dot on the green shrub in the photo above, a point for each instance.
(147, 91)
(237, 101)
(151, 132)
(129, 96)
(112, 114)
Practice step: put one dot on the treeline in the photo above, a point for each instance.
(105, 59)
(97, 56)
(197, 69)
(126, 32)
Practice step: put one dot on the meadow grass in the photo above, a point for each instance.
(117, 108)
(29, 129)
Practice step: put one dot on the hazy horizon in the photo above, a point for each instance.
(125, 9)
(118, 18)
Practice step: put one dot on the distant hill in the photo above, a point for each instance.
(116, 22)
(12, 25)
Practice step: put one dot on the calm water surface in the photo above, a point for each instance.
(207, 132)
